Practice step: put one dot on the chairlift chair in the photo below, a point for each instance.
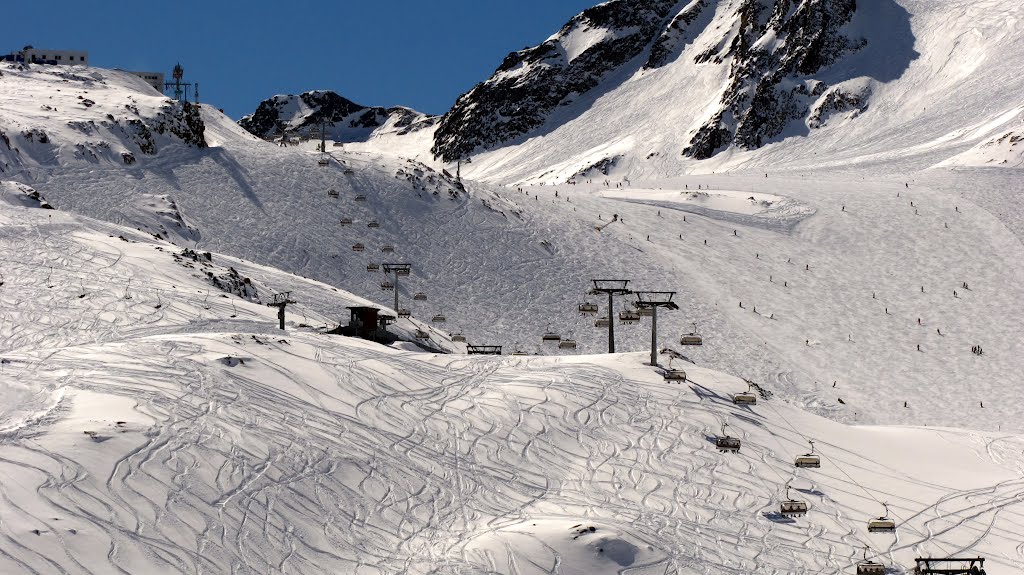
(403, 271)
(567, 344)
(587, 308)
(420, 297)
(323, 161)
(458, 338)
(792, 507)
(348, 171)
(404, 313)
(675, 375)
(692, 338)
(387, 249)
(727, 444)
(346, 221)
(808, 460)
(358, 248)
(602, 322)
(360, 198)
(387, 286)
(645, 311)
(333, 193)
(883, 524)
(373, 267)
(373, 224)
(866, 567)
(439, 318)
(420, 334)
(747, 397)
(551, 337)
(628, 317)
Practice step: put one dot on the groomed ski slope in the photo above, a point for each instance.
(180, 439)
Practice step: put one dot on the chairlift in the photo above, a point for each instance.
(372, 267)
(808, 460)
(866, 567)
(346, 221)
(645, 311)
(551, 337)
(458, 338)
(692, 338)
(358, 248)
(602, 322)
(420, 334)
(360, 198)
(373, 224)
(674, 375)
(333, 193)
(388, 250)
(348, 171)
(727, 444)
(747, 397)
(404, 313)
(387, 286)
(439, 318)
(883, 524)
(567, 344)
(420, 297)
(587, 308)
(792, 507)
(628, 317)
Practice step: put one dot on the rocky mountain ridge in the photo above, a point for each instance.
(772, 48)
(344, 120)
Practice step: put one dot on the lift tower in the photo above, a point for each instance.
(652, 300)
(612, 288)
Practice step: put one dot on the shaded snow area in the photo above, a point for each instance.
(165, 427)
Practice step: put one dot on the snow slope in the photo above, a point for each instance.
(934, 80)
(195, 437)
(505, 266)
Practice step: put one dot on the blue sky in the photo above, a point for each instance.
(421, 54)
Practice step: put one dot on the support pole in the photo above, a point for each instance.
(654, 336)
(281, 301)
(611, 324)
(396, 293)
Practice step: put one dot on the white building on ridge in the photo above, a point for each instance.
(60, 57)
(155, 79)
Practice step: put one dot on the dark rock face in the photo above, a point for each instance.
(340, 114)
(181, 119)
(773, 49)
(513, 102)
(768, 82)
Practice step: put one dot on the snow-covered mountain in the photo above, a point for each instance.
(57, 116)
(306, 115)
(643, 88)
(153, 419)
(503, 266)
